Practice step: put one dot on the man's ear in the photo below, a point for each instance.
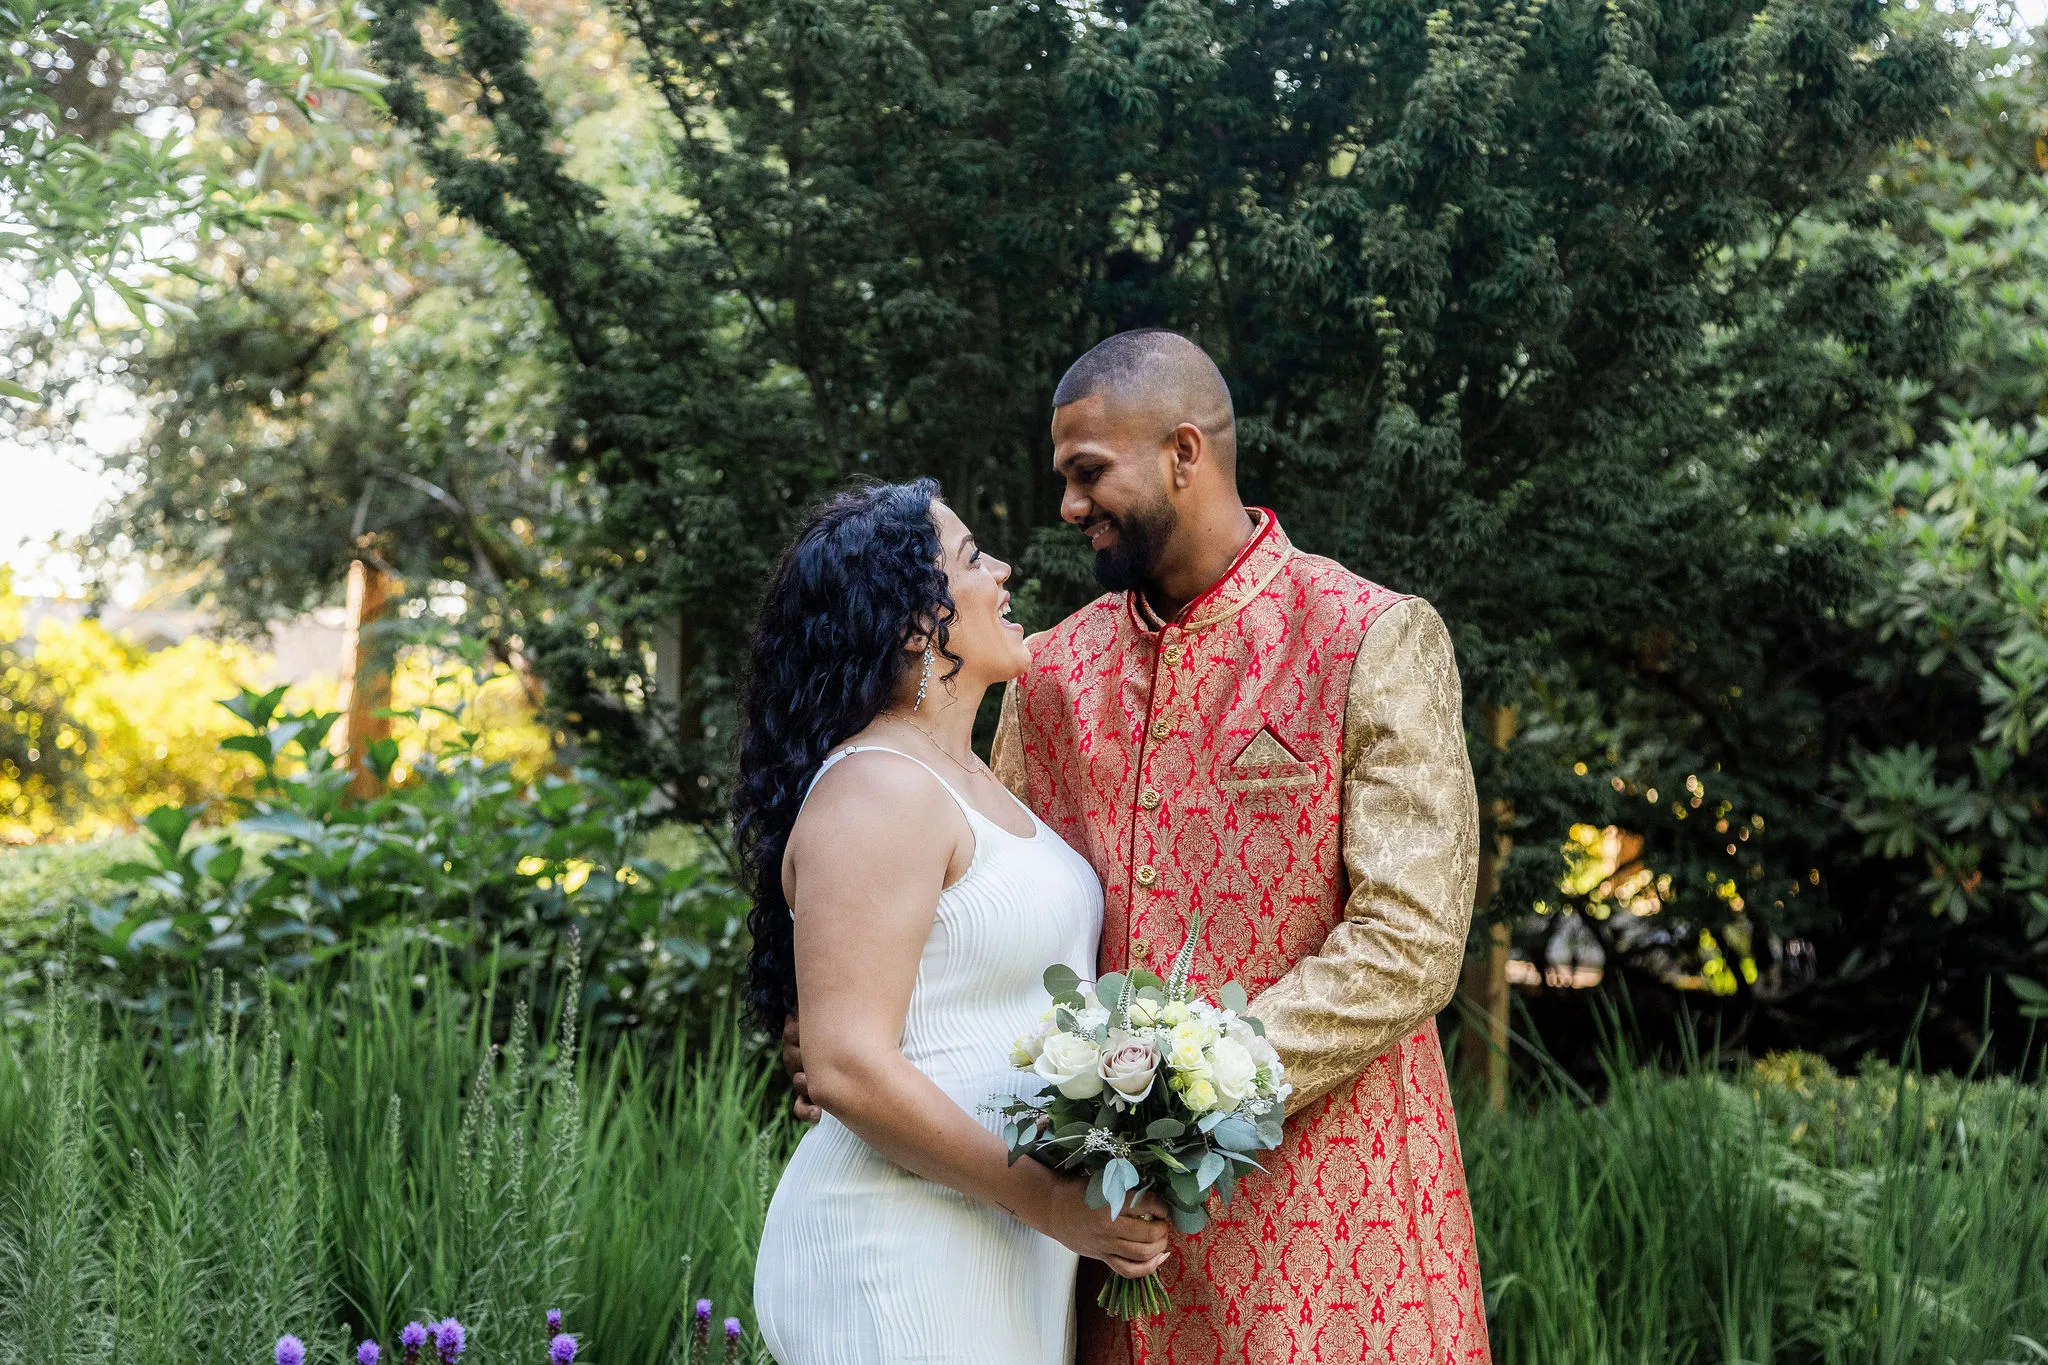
(1189, 447)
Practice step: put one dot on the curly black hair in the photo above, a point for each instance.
(863, 576)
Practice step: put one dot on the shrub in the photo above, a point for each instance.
(463, 853)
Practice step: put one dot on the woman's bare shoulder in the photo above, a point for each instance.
(876, 805)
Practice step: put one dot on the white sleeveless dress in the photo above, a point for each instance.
(863, 1263)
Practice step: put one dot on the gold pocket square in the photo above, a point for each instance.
(1265, 748)
(1265, 764)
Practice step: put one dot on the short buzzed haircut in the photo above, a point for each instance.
(1163, 366)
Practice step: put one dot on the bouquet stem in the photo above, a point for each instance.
(1141, 1298)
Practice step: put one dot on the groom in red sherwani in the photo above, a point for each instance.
(1259, 734)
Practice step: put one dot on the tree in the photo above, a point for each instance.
(1942, 772)
(1560, 314)
(101, 178)
(368, 377)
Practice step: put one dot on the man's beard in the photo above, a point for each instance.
(1140, 537)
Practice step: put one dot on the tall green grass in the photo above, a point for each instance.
(1770, 1215)
(335, 1165)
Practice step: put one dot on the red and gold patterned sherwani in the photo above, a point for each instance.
(1288, 756)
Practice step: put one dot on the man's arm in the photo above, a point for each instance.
(1411, 847)
(1006, 751)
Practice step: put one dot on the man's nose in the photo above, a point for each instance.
(1075, 507)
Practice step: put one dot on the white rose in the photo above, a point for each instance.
(1185, 1052)
(1128, 1066)
(1025, 1050)
(1090, 1019)
(1264, 1055)
(1233, 1072)
(1144, 1013)
(1069, 1061)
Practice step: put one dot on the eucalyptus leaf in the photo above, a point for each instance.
(1236, 1134)
(1109, 988)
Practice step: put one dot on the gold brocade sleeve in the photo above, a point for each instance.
(1006, 751)
(1411, 849)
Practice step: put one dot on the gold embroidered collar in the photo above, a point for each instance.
(1256, 565)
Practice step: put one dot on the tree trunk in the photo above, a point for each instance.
(1485, 982)
(365, 673)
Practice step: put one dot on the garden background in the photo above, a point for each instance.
(1690, 356)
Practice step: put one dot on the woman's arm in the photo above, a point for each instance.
(866, 863)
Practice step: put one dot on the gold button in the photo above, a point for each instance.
(1146, 876)
(1139, 948)
(1173, 654)
(1149, 799)
(1159, 728)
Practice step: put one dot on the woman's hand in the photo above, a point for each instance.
(1132, 1244)
(793, 1065)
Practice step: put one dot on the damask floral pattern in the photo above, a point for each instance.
(1232, 760)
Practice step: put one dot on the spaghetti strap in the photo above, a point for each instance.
(958, 800)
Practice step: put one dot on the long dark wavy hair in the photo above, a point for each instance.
(861, 578)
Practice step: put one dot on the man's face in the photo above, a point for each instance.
(1115, 463)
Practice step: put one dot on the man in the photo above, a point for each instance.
(1258, 734)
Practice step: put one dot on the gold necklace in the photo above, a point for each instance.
(979, 766)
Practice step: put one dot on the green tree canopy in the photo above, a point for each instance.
(1511, 298)
(1566, 315)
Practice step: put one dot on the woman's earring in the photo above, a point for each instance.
(924, 680)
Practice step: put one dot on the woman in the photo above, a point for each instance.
(913, 905)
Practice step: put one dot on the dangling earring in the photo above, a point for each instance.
(924, 680)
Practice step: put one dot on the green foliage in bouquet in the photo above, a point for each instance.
(1158, 1091)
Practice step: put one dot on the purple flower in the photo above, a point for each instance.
(732, 1328)
(562, 1349)
(732, 1340)
(700, 1332)
(290, 1350)
(412, 1338)
(554, 1321)
(449, 1340)
(366, 1354)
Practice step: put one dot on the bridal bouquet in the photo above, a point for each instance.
(1147, 1088)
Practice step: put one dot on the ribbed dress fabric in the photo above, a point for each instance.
(863, 1263)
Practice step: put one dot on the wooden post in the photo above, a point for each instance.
(1485, 982)
(365, 673)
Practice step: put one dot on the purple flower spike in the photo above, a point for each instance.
(367, 1353)
(554, 1322)
(412, 1338)
(703, 1310)
(449, 1340)
(562, 1349)
(290, 1350)
(732, 1340)
(732, 1328)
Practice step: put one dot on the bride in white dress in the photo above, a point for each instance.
(913, 905)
